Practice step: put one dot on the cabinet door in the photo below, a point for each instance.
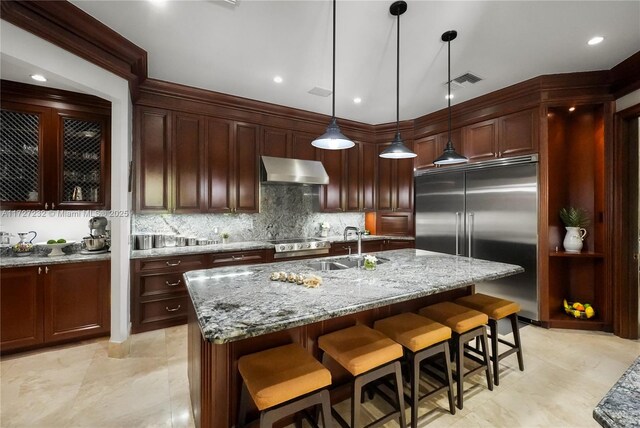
(386, 181)
(404, 183)
(20, 308)
(518, 134)
(153, 154)
(22, 152)
(218, 159)
(480, 141)
(368, 177)
(275, 142)
(394, 223)
(398, 244)
(302, 148)
(427, 149)
(353, 178)
(331, 195)
(76, 300)
(84, 174)
(187, 151)
(247, 186)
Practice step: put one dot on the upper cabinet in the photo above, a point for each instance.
(395, 182)
(54, 155)
(189, 163)
(332, 195)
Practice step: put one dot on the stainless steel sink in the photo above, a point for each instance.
(342, 263)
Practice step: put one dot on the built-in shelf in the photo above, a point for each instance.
(585, 254)
(561, 320)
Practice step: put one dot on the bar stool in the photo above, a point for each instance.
(283, 381)
(422, 338)
(368, 355)
(497, 309)
(466, 324)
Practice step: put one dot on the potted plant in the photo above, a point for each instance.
(225, 237)
(575, 221)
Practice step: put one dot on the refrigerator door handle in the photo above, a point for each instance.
(458, 233)
(470, 228)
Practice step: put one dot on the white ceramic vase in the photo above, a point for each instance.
(573, 239)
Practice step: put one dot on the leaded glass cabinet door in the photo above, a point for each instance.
(84, 167)
(21, 156)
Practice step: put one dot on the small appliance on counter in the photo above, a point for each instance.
(98, 240)
(5, 239)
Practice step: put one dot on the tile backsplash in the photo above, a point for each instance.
(286, 211)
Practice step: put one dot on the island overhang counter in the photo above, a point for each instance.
(238, 310)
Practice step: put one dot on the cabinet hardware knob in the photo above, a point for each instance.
(46, 205)
(39, 270)
(53, 206)
(173, 309)
(174, 264)
(46, 269)
(173, 284)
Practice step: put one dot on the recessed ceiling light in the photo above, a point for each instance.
(39, 77)
(572, 108)
(595, 40)
(446, 97)
(357, 100)
(277, 79)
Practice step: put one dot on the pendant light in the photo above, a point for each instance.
(333, 139)
(449, 156)
(397, 149)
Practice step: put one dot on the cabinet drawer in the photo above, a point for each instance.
(157, 311)
(238, 258)
(152, 285)
(171, 264)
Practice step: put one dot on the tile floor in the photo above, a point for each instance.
(566, 374)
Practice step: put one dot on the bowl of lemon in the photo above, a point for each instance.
(56, 246)
(579, 310)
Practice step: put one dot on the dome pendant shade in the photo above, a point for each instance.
(332, 139)
(397, 150)
(449, 156)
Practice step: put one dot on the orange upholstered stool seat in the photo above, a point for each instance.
(286, 379)
(368, 355)
(422, 338)
(466, 324)
(496, 309)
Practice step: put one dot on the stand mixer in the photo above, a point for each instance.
(98, 239)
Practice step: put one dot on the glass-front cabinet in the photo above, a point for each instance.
(53, 158)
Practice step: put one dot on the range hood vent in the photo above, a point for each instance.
(293, 171)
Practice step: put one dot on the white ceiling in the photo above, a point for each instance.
(239, 49)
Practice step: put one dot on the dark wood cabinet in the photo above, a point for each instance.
(21, 306)
(518, 133)
(351, 247)
(430, 147)
(54, 149)
(394, 223)
(47, 304)
(368, 186)
(332, 195)
(395, 182)
(302, 148)
(246, 168)
(152, 152)
(159, 297)
(397, 244)
(187, 154)
(276, 143)
(360, 179)
(219, 171)
(480, 140)
(76, 301)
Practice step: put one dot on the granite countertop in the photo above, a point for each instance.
(241, 246)
(235, 303)
(621, 406)
(13, 261)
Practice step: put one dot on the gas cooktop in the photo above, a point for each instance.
(298, 247)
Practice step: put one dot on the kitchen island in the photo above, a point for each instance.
(237, 311)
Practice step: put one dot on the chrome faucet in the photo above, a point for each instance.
(358, 233)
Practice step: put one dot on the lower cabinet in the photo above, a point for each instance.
(342, 248)
(42, 305)
(159, 297)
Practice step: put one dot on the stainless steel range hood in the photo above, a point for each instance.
(294, 171)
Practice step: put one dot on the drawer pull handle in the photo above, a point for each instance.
(174, 264)
(173, 284)
(172, 310)
(237, 257)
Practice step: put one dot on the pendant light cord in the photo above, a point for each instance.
(398, 78)
(333, 84)
(449, 87)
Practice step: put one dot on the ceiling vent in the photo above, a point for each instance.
(466, 78)
(320, 92)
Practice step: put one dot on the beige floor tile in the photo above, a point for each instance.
(151, 344)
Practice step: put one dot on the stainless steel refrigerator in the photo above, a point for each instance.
(487, 211)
